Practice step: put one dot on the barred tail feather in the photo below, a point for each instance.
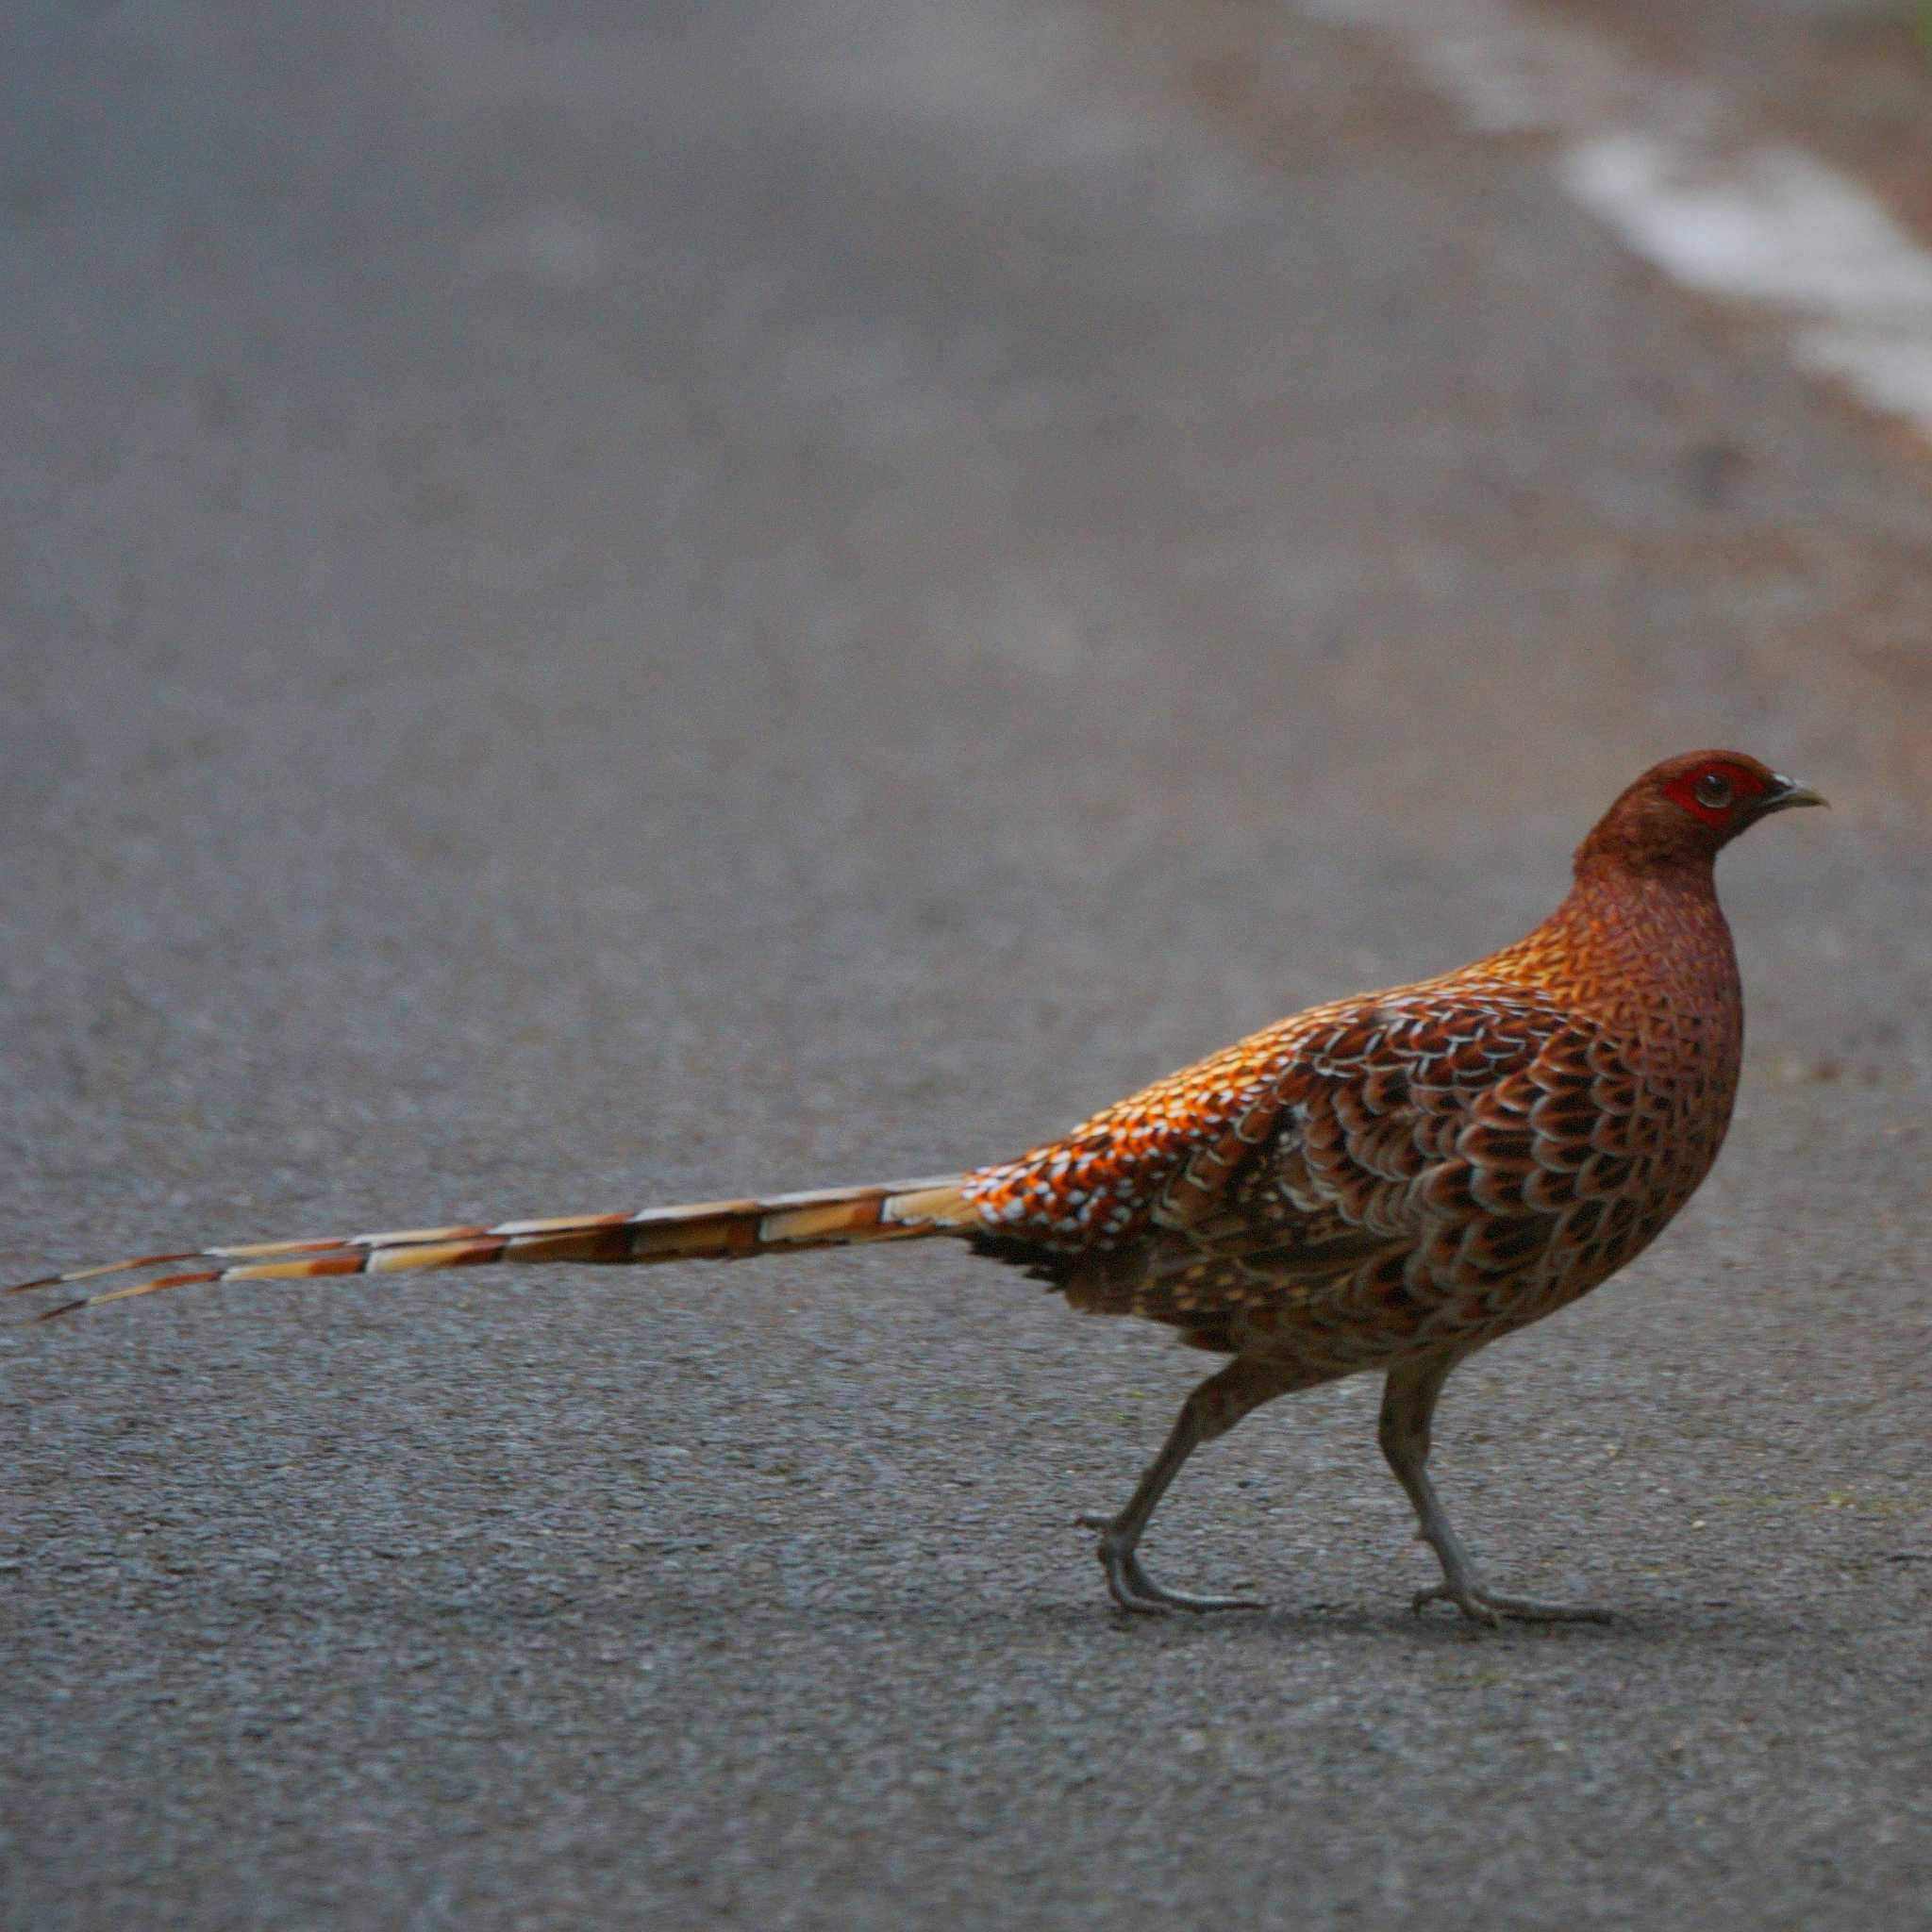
(705, 1231)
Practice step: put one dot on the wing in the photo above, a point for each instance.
(1390, 1155)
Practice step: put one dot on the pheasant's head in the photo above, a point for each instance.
(1683, 811)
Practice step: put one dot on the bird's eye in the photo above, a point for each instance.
(1713, 790)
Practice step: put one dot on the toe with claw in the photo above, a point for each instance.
(1134, 1590)
(1484, 1607)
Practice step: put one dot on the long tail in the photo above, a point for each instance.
(705, 1230)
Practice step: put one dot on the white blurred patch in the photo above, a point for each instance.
(1668, 165)
(1769, 223)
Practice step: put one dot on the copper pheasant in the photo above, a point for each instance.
(1387, 1182)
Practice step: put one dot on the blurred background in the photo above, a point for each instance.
(603, 603)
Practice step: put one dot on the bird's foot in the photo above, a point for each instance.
(1486, 1607)
(1133, 1589)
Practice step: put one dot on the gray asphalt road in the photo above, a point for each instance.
(600, 610)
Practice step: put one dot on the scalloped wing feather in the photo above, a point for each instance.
(1445, 1160)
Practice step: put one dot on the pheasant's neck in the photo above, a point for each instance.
(1646, 950)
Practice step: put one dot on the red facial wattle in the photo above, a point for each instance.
(1745, 790)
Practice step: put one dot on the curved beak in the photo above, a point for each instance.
(1786, 792)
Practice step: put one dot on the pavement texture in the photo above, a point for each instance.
(608, 604)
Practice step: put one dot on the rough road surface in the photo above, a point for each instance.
(599, 612)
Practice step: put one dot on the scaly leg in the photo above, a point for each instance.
(1211, 1410)
(1408, 1403)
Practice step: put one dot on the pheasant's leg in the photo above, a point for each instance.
(1408, 1403)
(1211, 1410)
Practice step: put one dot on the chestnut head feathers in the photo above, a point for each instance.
(1686, 810)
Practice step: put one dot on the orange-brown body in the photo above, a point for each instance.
(1435, 1164)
